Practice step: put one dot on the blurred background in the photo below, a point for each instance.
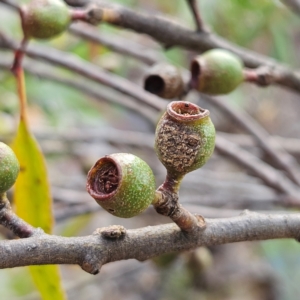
(76, 121)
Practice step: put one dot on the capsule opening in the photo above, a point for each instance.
(187, 108)
(195, 73)
(186, 111)
(154, 84)
(106, 179)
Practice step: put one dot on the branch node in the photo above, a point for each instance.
(245, 212)
(262, 76)
(93, 14)
(38, 232)
(249, 213)
(166, 204)
(201, 222)
(112, 232)
(96, 14)
(90, 268)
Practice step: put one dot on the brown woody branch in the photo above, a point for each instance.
(293, 4)
(291, 145)
(269, 175)
(280, 157)
(91, 252)
(117, 44)
(11, 221)
(196, 14)
(171, 34)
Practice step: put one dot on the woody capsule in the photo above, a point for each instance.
(184, 138)
(122, 183)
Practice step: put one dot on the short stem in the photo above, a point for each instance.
(166, 203)
(172, 183)
(262, 76)
(79, 15)
(250, 75)
(11, 221)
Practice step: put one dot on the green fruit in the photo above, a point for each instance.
(122, 184)
(9, 168)
(184, 138)
(44, 19)
(216, 72)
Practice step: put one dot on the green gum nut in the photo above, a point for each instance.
(216, 72)
(122, 183)
(9, 168)
(184, 138)
(44, 19)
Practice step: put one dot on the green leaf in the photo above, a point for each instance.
(33, 203)
(48, 281)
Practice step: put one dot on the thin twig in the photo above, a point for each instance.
(11, 221)
(115, 43)
(281, 158)
(11, 3)
(196, 14)
(87, 69)
(262, 170)
(168, 33)
(293, 4)
(290, 145)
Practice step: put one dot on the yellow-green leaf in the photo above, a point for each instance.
(33, 203)
(47, 280)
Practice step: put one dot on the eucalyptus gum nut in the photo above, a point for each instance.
(216, 72)
(9, 168)
(164, 80)
(44, 19)
(122, 183)
(184, 138)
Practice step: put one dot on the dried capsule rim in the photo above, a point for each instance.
(196, 68)
(154, 84)
(186, 111)
(92, 185)
(164, 80)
